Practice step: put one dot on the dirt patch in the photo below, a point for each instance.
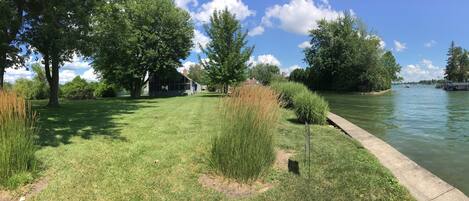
(5, 196)
(26, 192)
(281, 159)
(232, 188)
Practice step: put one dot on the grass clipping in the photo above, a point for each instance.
(17, 135)
(244, 149)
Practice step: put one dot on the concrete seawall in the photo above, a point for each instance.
(421, 183)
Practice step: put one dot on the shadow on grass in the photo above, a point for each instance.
(86, 119)
(212, 95)
(295, 121)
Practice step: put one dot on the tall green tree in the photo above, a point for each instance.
(134, 39)
(198, 74)
(11, 23)
(57, 30)
(457, 66)
(264, 73)
(345, 56)
(227, 52)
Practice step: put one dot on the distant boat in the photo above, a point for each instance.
(407, 86)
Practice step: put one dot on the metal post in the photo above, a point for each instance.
(308, 149)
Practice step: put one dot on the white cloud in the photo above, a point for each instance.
(236, 7)
(199, 39)
(264, 59)
(11, 75)
(66, 76)
(90, 75)
(184, 4)
(425, 70)
(304, 45)
(185, 66)
(430, 44)
(256, 31)
(76, 63)
(399, 46)
(299, 16)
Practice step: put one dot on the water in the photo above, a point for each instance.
(428, 125)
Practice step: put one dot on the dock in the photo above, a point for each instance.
(456, 86)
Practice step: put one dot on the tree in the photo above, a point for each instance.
(11, 23)
(198, 74)
(390, 64)
(457, 67)
(227, 53)
(345, 56)
(139, 38)
(452, 62)
(298, 75)
(264, 73)
(57, 30)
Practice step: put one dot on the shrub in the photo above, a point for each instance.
(287, 90)
(37, 88)
(78, 89)
(17, 134)
(311, 108)
(244, 150)
(105, 90)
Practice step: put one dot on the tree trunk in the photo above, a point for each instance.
(2, 68)
(2, 73)
(136, 90)
(54, 85)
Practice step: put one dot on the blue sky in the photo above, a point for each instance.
(417, 32)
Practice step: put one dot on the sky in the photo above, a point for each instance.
(417, 32)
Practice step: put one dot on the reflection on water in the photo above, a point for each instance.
(430, 126)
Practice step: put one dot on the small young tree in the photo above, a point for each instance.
(135, 39)
(227, 52)
(264, 73)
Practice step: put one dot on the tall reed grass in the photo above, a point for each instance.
(17, 135)
(244, 149)
(287, 91)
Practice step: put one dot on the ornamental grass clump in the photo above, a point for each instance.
(17, 135)
(287, 91)
(310, 107)
(244, 150)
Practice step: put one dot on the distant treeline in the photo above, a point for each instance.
(426, 82)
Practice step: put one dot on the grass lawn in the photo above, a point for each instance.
(156, 149)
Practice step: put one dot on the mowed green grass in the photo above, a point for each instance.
(156, 149)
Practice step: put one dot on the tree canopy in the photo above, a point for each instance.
(457, 67)
(136, 39)
(198, 74)
(264, 73)
(345, 56)
(11, 23)
(227, 52)
(298, 75)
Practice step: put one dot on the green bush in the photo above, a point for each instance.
(288, 90)
(105, 90)
(78, 89)
(311, 108)
(37, 88)
(245, 149)
(17, 135)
